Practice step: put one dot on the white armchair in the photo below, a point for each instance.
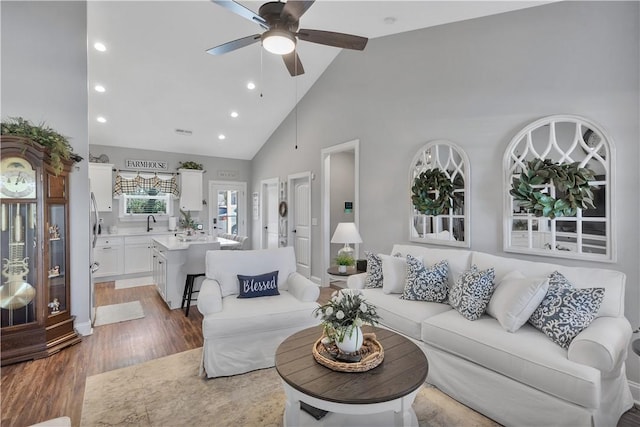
(242, 334)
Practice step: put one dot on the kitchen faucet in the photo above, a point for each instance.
(154, 220)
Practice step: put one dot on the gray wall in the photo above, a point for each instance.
(44, 79)
(216, 169)
(342, 190)
(476, 83)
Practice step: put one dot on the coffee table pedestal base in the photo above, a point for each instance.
(397, 412)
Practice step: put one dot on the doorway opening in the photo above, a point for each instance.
(269, 216)
(340, 196)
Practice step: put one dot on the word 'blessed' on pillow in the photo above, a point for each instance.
(263, 285)
(566, 311)
(471, 292)
(426, 283)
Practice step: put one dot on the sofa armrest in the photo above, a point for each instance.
(356, 281)
(603, 345)
(209, 297)
(302, 288)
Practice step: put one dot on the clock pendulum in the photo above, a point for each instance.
(16, 292)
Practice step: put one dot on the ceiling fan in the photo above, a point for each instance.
(280, 20)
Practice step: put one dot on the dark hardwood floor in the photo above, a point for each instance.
(35, 391)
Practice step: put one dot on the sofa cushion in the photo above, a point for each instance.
(401, 315)
(394, 274)
(373, 278)
(515, 299)
(258, 314)
(263, 285)
(472, 291)
(224, 266)
(566, 311)
(459, 260)
(426, 283)
(580, 277)
(527, 355)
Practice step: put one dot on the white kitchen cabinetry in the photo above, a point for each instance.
(109, 253)
(100, 177)
(190, 189)
(160, 270)
(137, 254)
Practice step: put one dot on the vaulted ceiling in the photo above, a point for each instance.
(164, 92)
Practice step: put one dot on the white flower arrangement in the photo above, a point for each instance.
(345, 309)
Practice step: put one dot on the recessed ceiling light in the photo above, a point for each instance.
(221, 137)
(390, 20)
(100, 47)
(251, 85)
(234, 114)
(101, 119)
(99, 88)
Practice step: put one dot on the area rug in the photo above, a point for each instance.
(135, 282)
(115, 313)
(168, 392)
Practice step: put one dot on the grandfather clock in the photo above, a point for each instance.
(35, 300)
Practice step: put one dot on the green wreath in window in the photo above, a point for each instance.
(570, 180)
(432, 192)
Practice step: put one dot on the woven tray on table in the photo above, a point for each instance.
(371, 351)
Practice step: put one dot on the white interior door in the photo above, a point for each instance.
(228, 207)
(300, 220)
(269, 217)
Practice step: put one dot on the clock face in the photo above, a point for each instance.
(17, 179)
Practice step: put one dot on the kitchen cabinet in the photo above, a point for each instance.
(35, 297)
(190, 189)
(159, 261)
(109, 252)
(137, 254)
(101, 181)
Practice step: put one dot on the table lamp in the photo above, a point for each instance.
(346, 232)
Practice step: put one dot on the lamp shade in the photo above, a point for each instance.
(346, 232)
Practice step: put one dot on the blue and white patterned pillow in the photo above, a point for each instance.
(426, 284)
(566, 311)
(374, 271)
(471, 292)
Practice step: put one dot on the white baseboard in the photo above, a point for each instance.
(316, 280)
(84, 328)
(635, 391)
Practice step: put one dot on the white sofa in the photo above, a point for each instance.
(517, 378)
(242, 334)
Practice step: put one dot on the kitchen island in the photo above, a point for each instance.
(169, 253)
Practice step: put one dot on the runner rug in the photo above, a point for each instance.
(115, 313)
(168, 392)
(135, 282)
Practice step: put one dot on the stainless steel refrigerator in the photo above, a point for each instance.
(93, 265)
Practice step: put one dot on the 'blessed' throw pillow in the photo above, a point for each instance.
(263, 285)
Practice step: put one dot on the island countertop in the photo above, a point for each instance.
(173, 243)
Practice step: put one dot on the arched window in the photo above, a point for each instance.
(548, 208)
(439, 195)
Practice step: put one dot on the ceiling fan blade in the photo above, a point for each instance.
(239, 9)
(233, 45)
(329, 38)
(294, 9)
(292, 61)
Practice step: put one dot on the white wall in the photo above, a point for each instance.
(44, 79)
(476, 83)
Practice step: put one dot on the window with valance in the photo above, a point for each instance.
(143, 194)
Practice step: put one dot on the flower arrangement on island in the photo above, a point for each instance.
(344, 313)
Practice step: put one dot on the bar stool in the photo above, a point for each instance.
(195, 266)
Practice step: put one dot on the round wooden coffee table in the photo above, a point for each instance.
(389, 388)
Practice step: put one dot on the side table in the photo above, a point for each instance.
(335, 275)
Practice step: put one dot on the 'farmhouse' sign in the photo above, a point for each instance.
(146, 164)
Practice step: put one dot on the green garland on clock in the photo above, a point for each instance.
(432, 192)
(570, 180)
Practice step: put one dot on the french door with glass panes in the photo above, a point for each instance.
(227, 207)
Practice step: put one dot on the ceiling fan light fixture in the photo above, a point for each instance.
(279, 42)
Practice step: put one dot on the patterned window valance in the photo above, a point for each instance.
(144, 184)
